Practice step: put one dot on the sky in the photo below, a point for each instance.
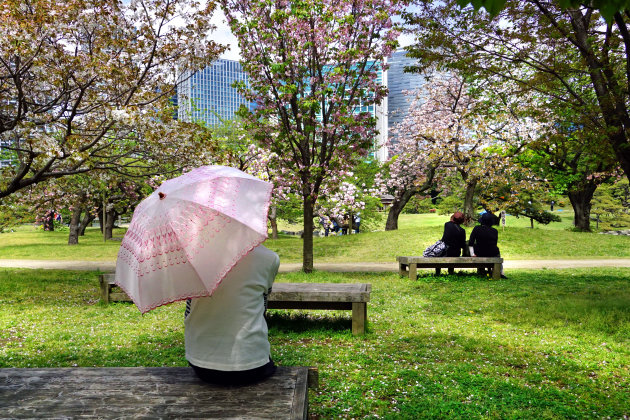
(222, 35)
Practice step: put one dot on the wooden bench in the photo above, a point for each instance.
(153, 392)
(408, 266)
(340, 296)
(335, 296)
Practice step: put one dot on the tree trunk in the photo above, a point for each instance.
(273, 221)
(397, 207)
(307, 243)
(469, 211)
(100, 219)
(73, 236)
(109, 226)
(399, 203)
(87, 219)
(581, 202)
(531, 223)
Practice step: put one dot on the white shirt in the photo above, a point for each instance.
(227, 331)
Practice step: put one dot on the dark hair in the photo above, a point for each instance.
(488, 219)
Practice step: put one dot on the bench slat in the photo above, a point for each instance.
(147, 392)
(320, 292)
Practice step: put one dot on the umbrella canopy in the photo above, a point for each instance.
(185, 237)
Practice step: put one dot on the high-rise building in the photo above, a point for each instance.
(379, 149)
(380, 112)
(398, 82)
(208, 95)
(6, 157)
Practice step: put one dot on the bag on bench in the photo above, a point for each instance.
(438, 249)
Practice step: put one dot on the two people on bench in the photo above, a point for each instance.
(482, 242)
(226, 334)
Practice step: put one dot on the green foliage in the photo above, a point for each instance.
(418, 204)
(291, 209)
(543, 344)
(531, 206)
(610, 206)
(450, 204)
(607, 8)
(14, 213)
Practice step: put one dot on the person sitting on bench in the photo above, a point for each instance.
(455, 236)
(226, 334)
(483, 238)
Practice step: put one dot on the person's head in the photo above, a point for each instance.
(458, 217)
(488, 219)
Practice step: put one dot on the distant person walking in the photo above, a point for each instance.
(357, 222)
(483, 238)
(325, 222)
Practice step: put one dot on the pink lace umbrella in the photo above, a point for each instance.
(185, 237)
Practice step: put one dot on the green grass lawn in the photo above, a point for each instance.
(415, 233)
(543, 344)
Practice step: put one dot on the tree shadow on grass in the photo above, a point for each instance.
(428, 275)
(300, 322)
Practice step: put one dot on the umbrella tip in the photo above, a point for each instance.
(161, 195)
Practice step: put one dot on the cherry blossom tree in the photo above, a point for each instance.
(238, 148)
(86, 85)
(563, 51)
(450, 128)
(313, 69)
(355, 195)
(409, 172)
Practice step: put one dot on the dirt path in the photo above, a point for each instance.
(109, 266)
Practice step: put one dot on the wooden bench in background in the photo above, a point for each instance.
(408, 266)
(335, 296)
(340, 296)
(153, 392)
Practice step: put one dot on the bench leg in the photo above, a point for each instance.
(359, 317)
(438, 270)
(402, 269)
(104, 289)
(413, 271)
(496, 272)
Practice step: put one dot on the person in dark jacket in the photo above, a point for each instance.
(483, 238)
(455, 236)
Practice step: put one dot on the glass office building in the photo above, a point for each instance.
(398, 82)
(379, 149)
(208, 95)
(380, 112)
